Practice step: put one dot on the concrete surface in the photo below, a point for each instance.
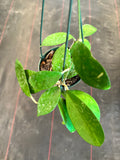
(30, 138)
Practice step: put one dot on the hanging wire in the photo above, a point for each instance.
(68, 31)
(42, 12)
(81, 27)
(80, 22)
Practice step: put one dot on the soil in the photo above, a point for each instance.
(46, 64)
(72, 81)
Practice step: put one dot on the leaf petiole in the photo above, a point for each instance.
(60, 83)
(33, 99)
(66, 70)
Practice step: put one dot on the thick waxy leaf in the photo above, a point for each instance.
(44, 79)
(72, 72)
(28, 74)
(58, 58)
(89, 101)
(88, 68)
(84, 121)
(48, 101)
(65, 116)
(88, 30)
(87, 44)
(56, 39)
(21, 77)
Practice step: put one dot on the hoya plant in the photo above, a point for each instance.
(79, 111)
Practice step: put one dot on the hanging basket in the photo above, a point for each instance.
(79, 111)
(45, 63)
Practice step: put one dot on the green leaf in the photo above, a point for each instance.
(29, 73)
(58, 58)
(48, 101)
(88, 30)
(72, 72)
(65, 116)
(63, 123)
(44, 79)
(87, 44)
(21, 77)
(88, 68)
(84, 121)
(56, 39)
(89, 101)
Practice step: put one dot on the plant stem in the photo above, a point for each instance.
(66, 70)
(66, 87)
(60, 83)
(33, 99)
(80, 22)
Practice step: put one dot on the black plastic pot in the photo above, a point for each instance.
(43, 60)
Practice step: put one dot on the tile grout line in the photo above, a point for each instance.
(1, 38)
(18, 95)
